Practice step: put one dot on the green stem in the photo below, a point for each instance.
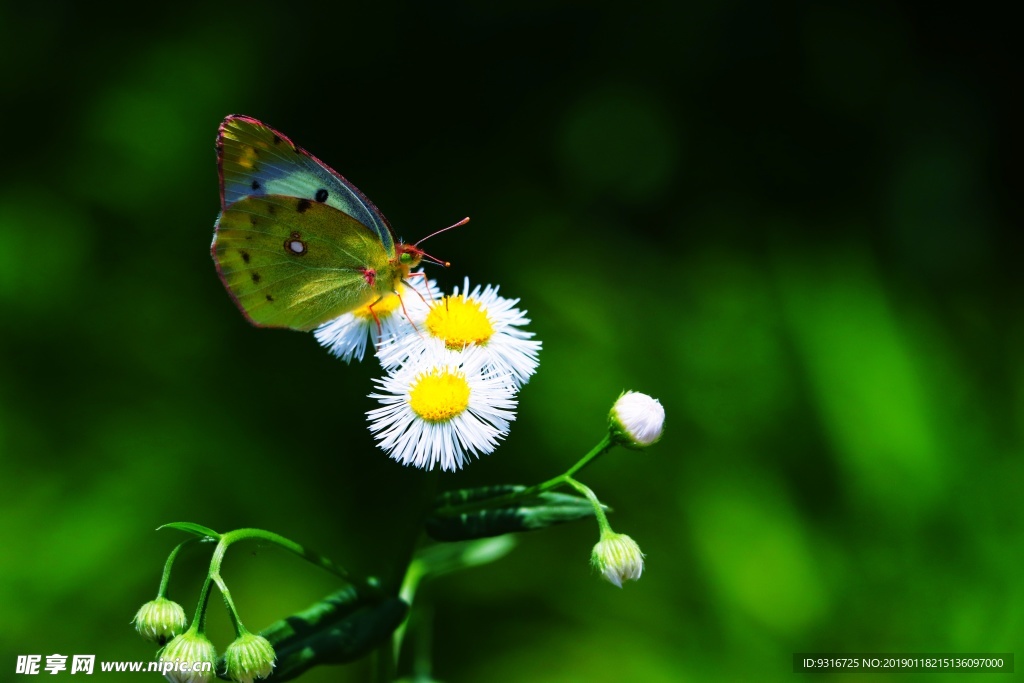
(214, 575)
(410, 584)
(199, 621)
(383, 664)
(166, 578)
(602, 519)
(419, 622)
(422, 662)
(289, 545)
(260, 534)
(601, 448)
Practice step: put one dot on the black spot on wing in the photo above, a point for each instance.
(321, 195)
(277, 141)
(302, 205)
(245, 256)
(270, 298)
(256, 185)
(255, 277)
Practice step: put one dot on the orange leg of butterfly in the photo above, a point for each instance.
(376, 320)
(380, 331)
(426, 281)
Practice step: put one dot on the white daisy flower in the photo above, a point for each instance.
(346, 336)
(477, 318)
(436, 410)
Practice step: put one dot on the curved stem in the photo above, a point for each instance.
(288, 544)
(199, 621)
(410, 584)
(166, 578)
(600, 449)
(602, 519)
(225, 540)
(214, 575)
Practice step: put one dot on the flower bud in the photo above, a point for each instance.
(248, 658)
(618, 558)
(636, 420)
(160, 620)
(189, 658)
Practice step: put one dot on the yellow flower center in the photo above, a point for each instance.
(439, 395)
(382, 308)
(460, 322)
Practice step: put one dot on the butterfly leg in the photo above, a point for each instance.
(402, 301)
(380, 331)
(426, 282)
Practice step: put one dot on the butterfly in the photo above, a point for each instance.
(296, 245)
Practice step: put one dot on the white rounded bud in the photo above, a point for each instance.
(636, 420)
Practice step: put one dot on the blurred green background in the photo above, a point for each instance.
(790, 223)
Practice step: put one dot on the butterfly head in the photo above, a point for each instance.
(410, 256)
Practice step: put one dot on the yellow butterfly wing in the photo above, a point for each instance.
(295, 263)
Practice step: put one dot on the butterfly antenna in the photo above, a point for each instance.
(450, 227)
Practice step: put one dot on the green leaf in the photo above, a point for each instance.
(192, 528)
(466, 514)
(342, 627)
(443, 558)
(462, 496)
